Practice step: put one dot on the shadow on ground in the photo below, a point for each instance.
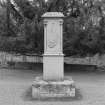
(39, 67)
(79, 68)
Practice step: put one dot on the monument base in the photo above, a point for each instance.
(53, 89)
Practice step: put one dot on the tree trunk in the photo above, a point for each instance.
(8, 17)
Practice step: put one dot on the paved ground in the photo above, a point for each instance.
(15, 88)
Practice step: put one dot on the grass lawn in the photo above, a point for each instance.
(15, 86)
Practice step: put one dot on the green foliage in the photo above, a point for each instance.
(2, 22)
(83, 30)
(84, 26)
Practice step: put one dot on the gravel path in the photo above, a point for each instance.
(15, 88)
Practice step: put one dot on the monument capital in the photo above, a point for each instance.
(53, 15)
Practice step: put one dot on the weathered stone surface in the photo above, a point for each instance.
(53, 14)
(53, 67)
(53, 58)
(53, 83)
(47, 89)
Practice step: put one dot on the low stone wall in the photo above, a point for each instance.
(7, 57)
(95, 60)
(84, 61)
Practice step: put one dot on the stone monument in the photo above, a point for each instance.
(53, 83)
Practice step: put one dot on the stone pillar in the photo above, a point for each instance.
(53, 58)
(53, 84)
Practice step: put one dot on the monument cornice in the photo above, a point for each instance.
(53, 15)
(49, 54)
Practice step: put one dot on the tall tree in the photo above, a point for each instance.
(83, 24)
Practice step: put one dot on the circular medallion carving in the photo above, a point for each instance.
(52, 44)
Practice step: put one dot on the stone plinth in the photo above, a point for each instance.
(53, 89)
